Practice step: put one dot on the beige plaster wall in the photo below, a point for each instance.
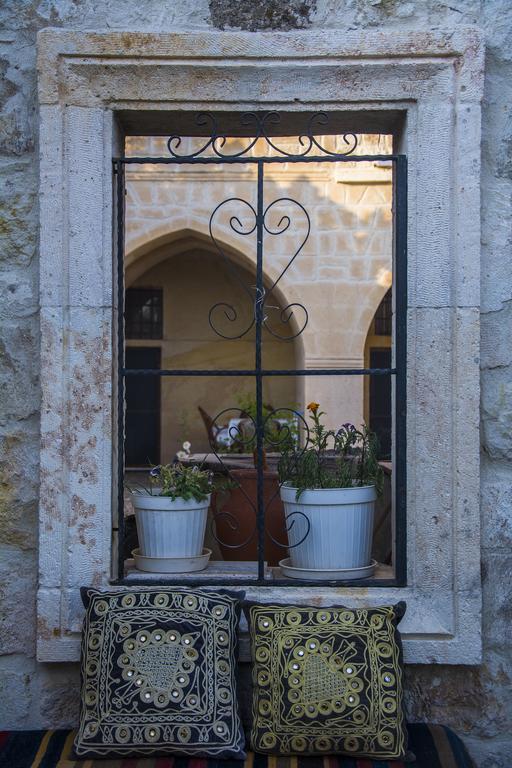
(192, 282)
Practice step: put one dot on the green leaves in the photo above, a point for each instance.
(181, 481)
(344, 458)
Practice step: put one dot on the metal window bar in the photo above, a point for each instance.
(320, 154)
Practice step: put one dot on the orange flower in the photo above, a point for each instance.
(313, 407)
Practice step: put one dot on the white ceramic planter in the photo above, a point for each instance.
(169, 528)
(341, 526)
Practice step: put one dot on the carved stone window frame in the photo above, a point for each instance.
(86, 80)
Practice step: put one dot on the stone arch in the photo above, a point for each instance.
(153, 261)
(146, 235)
(169, 243)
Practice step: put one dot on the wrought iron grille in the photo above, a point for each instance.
(263, 130)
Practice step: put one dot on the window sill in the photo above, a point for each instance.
(226, 574)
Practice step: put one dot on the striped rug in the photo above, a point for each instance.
(434, 746)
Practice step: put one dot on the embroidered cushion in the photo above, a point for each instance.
(158, 673)
(327, 681)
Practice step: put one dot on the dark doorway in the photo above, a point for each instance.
(142, 444)
(380, 401)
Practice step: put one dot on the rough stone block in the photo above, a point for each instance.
(497, 412)
(496, 506)
(497, 596)
(496, 350)
(16, 693)
(59, 696)
(467, 700)
(19, 362)
(18, 485)
(18, 217)
(17, 612)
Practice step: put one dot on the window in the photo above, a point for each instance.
(143, 313)
(427, 88)
(300, 247)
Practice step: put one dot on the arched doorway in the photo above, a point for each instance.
(170, 293)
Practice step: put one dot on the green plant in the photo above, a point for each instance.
(247, 404)
(178, 481)
(329, 458)
(280, 424)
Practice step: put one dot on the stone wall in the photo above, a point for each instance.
(475, 701)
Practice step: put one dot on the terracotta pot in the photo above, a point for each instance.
(238, 505)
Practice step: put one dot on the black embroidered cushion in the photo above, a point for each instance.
(327, 681)
(158, 673)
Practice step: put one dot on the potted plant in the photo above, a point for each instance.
(171, 514)
(329, 488)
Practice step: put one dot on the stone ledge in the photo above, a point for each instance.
(326, 48)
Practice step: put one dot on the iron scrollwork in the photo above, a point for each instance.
(277, 440)
(261, 127)
(287, 312)
(224, 307)
(226, 436)
(280, 426)
(241, 218)
(258, 294)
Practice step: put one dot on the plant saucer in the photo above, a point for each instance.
(326, 574)
(171, 564)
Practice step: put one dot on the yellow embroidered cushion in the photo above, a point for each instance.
(327, 681)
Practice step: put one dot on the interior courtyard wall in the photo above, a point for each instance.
(189, 342)
(475, 701)
(340, 274)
